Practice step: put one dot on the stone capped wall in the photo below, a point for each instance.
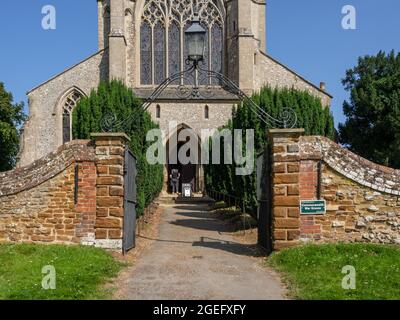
(362, 198)
(73, 195)
(350, 165)
(39, 203)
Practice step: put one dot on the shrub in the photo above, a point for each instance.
(311, 115)
(115, 98)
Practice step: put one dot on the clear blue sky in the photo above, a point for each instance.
(306, 35)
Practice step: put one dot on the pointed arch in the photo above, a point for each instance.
(64, 108)
(158, 111)
(191, 171)
(161, 25)
(128, 11)
(206, 112)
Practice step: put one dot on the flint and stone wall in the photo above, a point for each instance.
(271, 72)
(43, 131)
(362, 198)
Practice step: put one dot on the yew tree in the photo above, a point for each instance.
(11, 117)
(372, 127)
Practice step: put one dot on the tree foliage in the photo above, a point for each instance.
(115, 98)
(372, 128)
(11, 116)
(312, 116)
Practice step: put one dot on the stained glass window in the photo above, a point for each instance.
(174, 50)
(145, 54)
(159, 53)
(206, 61)
(216, 50)
(162, 31)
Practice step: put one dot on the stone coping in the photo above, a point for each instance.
(42, 170)
(350, 165)
(110, 135)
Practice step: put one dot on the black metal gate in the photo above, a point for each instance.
(264, 195)
(130, 173)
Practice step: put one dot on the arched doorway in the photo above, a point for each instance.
(183, 154)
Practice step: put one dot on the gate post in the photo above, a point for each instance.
(110, 154)
(285, 159)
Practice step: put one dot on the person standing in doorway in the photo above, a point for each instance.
(175, 176)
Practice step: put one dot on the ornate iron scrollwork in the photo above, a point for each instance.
(189, 88)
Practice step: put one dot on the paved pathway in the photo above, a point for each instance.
(194, 259)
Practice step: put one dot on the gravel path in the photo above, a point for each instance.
(192, 258)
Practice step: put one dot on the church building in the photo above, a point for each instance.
(142, 43)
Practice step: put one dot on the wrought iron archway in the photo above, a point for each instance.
(188, 88)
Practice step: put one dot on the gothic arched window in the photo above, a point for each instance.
(158, 111)
(106, 25)
(162, 42)
(206, 112)
(70, 102)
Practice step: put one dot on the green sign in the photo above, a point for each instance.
(313, 207)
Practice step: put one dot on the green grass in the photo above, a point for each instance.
(234, 216)
(315, 271)
(80, 271)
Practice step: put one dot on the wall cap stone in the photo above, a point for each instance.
(28, 177)
(285, 133)
(110, 135)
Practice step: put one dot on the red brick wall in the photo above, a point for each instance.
(285, 180)
(308, 183)
(308, 180)
(110, 152)
(86, 206)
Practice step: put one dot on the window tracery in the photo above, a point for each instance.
(162, 42)
(70, 102)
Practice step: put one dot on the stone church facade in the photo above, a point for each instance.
(141, 42)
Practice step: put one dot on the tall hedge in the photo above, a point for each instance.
(115, 98)
(315, 119)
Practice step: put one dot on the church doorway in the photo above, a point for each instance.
(184, 156)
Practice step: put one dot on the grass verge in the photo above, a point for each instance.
(315, 271)
(80, 271)
(233, 216)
